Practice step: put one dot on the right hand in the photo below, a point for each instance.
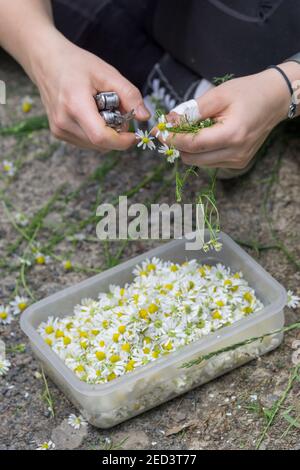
(68, 78)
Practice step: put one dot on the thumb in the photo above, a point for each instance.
(206, 106)
(210, 104)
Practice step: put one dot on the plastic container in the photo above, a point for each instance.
(105, 405)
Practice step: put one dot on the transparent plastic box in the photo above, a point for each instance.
(105, 405)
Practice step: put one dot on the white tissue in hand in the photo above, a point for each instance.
(189, 109)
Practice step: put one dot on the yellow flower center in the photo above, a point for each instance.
(116, 337)
(130, 366)
(168, 286)
(122, 329)
(247, 310)
(26, 107)
(161, 126)
(111, 377)
(151, 267)
(83, 334)
(40, 259)
(114, 358)
(67, 340)
(126, 347)
(49, 329)
(248, 296)
(143, 313)
(68, 265)
(216, 315)
(59, 334)
(169, 152)
(145, 140)
(22, 306)
(168, 346)
(100, 355)
(152, 308)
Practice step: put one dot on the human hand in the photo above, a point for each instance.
(245, 110)
(68, 78)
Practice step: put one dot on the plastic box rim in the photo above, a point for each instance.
(92, 389)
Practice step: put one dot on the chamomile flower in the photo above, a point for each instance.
(21, 219)
(5, 315)
(41, 259)
(145, 140)
(27, 103)
(4, 366)
(67, 264)
(19, 304)
(47, 445)
(76, 421)
(170, 152)
(293, 300)
(162, 127)
(8, 168)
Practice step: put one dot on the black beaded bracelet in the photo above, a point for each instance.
(293, 105)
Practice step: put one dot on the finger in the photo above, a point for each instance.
(224, 156)
(69, 131)
(208, 139)
(99, 134)
(130, 97)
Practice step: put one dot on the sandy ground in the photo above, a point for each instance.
(57, 186)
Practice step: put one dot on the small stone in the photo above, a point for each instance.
(66, 437)
(135, 440)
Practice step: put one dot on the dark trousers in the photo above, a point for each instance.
(209, 37)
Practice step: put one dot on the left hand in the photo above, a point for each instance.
(245, 110)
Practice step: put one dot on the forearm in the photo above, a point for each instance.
(27, 31)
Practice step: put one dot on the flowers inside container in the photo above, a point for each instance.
(133, 342)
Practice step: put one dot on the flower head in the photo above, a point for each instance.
(170, 152)
(4, 366)
(27, 104)
(40, 258)
(21, 219)
(19, 304)
(8, 168)
(162, 127)
(67, 264)
(76, 421)
(292, 300)
(145, 140)
(47, 445)
(5, 315)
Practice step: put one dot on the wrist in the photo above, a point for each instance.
(281, 88)
(41, 49)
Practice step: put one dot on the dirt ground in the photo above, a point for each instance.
(57, 187)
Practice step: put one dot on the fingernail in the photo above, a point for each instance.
(142, 112)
